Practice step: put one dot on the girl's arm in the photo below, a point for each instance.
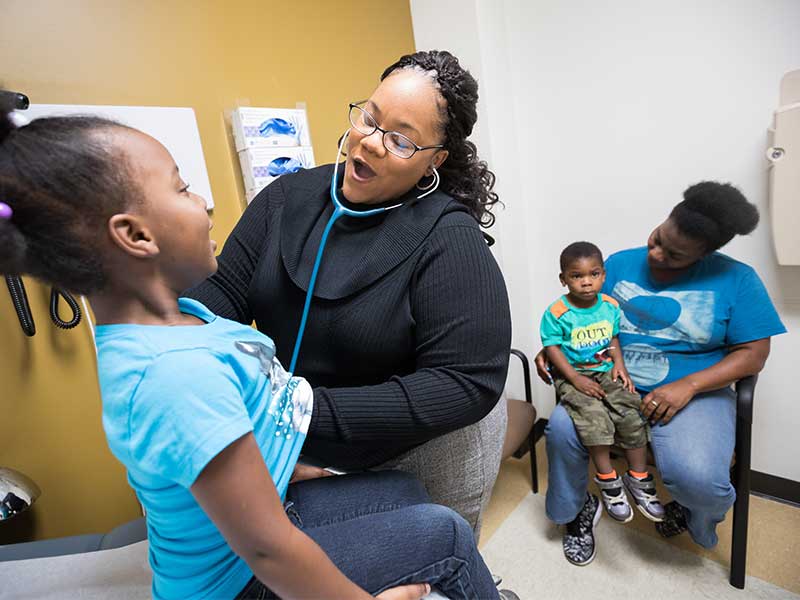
(742, 360)
(237, 493)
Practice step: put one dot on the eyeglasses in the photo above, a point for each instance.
(394, 142)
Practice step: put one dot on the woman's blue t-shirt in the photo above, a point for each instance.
(173, 399)
(668, 331)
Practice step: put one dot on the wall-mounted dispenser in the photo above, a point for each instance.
(270, 142)
(784, 171)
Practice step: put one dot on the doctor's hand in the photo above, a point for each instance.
(541, 362)
(664, 402)
(303, 472)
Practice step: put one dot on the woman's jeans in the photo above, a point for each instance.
(381, 531)
(693, 454)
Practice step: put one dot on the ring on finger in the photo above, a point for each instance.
(654, 403)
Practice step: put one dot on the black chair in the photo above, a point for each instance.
(740, 478)
(529, 445)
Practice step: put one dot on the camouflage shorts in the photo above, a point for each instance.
(614, 420)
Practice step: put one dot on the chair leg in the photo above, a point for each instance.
(534, 466)
(742, 505)
(739, 544)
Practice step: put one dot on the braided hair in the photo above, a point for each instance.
(63, 180)
(713, 213)
(465, 177)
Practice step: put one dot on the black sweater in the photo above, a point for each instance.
(409, 330)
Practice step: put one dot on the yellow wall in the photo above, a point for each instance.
(209, 55)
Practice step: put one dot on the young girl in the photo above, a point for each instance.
(197, 408)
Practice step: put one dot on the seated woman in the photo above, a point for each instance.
(207, 423)
(409, 330)
(693, 322)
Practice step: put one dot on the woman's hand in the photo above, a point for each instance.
(664, 402)
(541, 362)
(621, 373)
(303, 472)
(414, 591)
(587, 385)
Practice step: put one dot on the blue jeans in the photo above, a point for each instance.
(693, 453)
(381, 531)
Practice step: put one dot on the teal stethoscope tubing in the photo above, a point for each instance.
(338, 210)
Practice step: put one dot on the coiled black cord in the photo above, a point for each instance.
(15, 286)
(73, 305)
(20, 300)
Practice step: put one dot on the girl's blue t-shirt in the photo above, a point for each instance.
(668, 331)
(173, 399)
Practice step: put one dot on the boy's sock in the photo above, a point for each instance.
(607, 476)
(643, 476)
(610, 477)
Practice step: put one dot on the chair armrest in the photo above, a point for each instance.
(745, 389)
(526, 373)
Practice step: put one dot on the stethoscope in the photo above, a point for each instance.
(338, 210)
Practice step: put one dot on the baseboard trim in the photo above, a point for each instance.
(761, 484)
(775, 488)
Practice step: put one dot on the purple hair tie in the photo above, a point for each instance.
(5, 211)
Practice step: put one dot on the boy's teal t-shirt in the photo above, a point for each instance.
(582, 332)
(173, 399)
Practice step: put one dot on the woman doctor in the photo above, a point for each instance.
(408, 334)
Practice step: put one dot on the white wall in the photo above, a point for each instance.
(596, 116)
(474, 32)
